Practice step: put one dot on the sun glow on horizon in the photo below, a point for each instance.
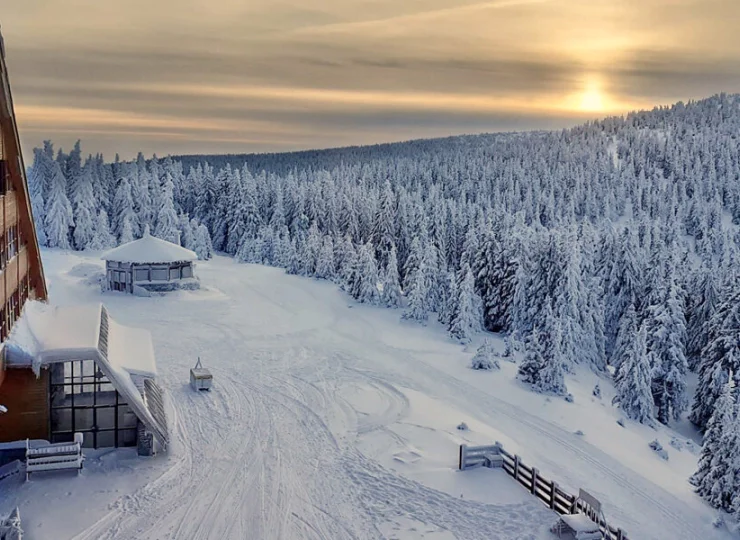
(592, 98)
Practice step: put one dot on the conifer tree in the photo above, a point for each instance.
(417, 293)
(666, 345)
(59, 218)
(202, 245)
(167, 220)
(123, 211)
(466, 320)
(84, 210)
(633, 380)
(485, 357)
(36, 192)
(716, 477)
(102, 238)
(391, 295)
(325, 259)
(720, 358)
(365, 276)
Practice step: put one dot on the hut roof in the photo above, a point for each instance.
(149, 250)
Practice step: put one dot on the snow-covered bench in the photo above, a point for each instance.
(579, 525)
(55, 456)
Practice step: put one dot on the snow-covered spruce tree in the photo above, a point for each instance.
(622, 285)
(84, 210)
(543, 366)
(485, 357)
(467, 319)
(59, 218)
(666, 344)
(167, 220)
(345, 256)
(417, 294)
(634, 394)
(495, 266)
(102, 238)
(127, 231)
(716, 477)
(249, 251)
(123, 211)
(628, 328)
(187, 235)
(720, 358)
(449, 297)
(365, 276)
(325, 259)
(201, 241)
(36, 184)
(391, 295)
(703, 302)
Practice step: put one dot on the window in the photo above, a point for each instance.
(174, 273)
(187, 271)
(159, 274)
(83, 400)
(3, 252)
(12, 245)
(141, 275)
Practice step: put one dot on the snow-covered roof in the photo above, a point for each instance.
(149, 250)
(46, 334)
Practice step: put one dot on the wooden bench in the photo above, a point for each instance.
(579, 525)
(55, 457)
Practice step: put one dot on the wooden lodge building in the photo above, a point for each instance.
(62, 370)
(21, 273)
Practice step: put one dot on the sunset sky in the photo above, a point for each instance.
(216, 76)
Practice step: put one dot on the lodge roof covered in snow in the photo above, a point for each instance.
(47, 334)
(149, 250)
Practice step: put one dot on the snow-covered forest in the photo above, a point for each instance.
(612, 245)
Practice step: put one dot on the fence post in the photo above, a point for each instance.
(620, 535)
(516, 467)
(553, 487)
(463, 447)
(534, 480)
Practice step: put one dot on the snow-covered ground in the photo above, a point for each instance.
(333, 420)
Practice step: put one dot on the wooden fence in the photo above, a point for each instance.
(545, 490)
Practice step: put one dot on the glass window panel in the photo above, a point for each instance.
(174, 273)
(142, 275)
(60, 396)
(159, 274)
(62, 437)
(126, 417)
(88, 439)
(84, 419)
(127, 437)
(84, 399)
(106, 439)
(87, 369)
(187, 271)
(105, 418)
(105, 398)
(61, 420)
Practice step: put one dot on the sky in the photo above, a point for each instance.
(234, 76)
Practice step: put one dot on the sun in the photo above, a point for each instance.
(592, 100)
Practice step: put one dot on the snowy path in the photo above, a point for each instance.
(321, 424)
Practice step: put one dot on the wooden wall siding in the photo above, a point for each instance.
(11, 277)
(21, 206)
(10, 210)
(27, 400)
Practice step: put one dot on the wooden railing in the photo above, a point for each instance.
(545, 490)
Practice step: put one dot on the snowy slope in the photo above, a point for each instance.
(334, 420)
